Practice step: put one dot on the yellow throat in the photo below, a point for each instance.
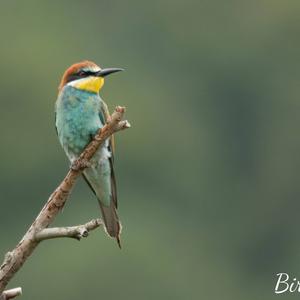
(89, 84)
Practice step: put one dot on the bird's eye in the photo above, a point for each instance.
(82, 73)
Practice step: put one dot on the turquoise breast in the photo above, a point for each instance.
(77, 119)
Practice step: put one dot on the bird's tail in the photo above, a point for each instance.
(103, 188)
(111, 221)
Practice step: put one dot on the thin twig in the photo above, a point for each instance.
(75, 232)
(15, 259)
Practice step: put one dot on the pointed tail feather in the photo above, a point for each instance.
(111, 221)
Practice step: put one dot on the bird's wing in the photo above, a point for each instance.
(55, 123)
(106, 115)
(105, 186)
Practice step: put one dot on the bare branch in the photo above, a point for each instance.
(75, 232)
(10, 294)
(14, 259)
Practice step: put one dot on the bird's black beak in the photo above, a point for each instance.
(105, 72)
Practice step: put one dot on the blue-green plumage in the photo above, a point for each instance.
(77, 119)
(79, 115)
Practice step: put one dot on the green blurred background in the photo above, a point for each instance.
(208, 175)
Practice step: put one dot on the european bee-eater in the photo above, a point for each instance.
(80, 112)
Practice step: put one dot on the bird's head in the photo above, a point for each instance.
(86, 76)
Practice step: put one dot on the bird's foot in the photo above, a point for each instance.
(78, 165)
(108, 119)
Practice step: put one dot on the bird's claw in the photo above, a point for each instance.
(108, 119)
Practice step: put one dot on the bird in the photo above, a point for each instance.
(79, 114)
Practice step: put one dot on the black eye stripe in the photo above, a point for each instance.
(73, 77)
(83, 73)
(80, 74)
